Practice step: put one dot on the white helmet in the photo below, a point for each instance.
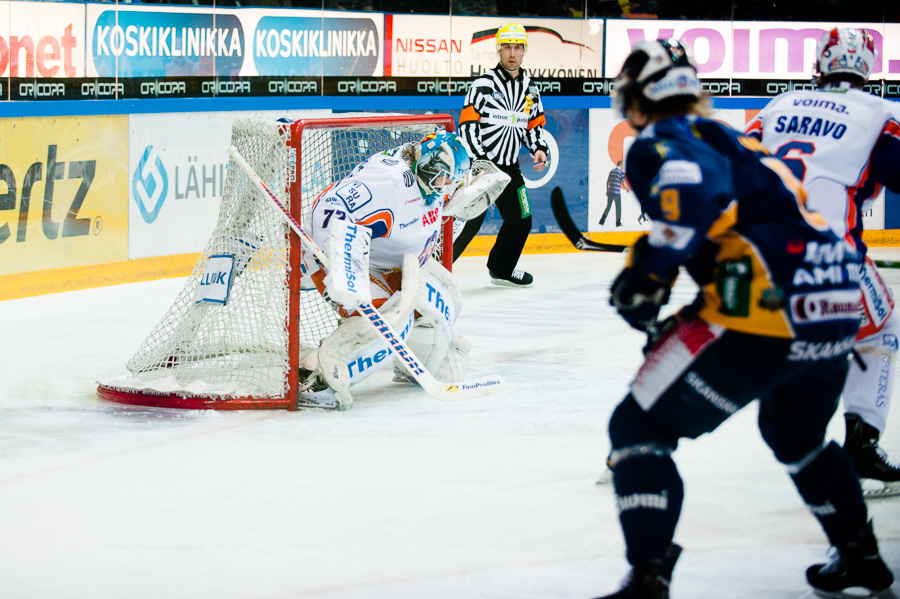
(656, 72)
(845, 50)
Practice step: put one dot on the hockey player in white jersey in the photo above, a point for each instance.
(844, 144)
(399, 196)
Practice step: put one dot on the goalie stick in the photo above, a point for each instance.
(567, 226)
(442, 391)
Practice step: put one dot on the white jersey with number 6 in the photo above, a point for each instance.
(843, 144)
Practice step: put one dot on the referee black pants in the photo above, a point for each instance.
(515, 211)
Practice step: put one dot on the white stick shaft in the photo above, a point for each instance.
(268, 192)
(435, 388)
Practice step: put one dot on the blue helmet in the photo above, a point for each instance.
(442, 165)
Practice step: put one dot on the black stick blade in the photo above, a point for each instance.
(567, 226)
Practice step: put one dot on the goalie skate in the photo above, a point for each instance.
(401, 376)
(317, 393)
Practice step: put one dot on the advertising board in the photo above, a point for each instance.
(424, 46)
(610, 140)
(63, 200)
(176, 173)
(754, 57)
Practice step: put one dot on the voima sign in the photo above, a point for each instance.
(721, 49)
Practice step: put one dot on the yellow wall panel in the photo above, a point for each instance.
(63, 192)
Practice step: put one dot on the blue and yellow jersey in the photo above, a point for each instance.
(774, 268)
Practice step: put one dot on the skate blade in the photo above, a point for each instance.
(317, 401)
(876, 489)
(605, 478)
(854, 593)
(301, 405)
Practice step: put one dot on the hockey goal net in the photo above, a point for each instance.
(233, 337)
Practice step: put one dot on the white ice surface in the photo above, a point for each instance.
(402, 497)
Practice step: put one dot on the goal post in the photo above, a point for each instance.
(234, 336)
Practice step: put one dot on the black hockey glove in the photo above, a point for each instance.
(637, 298)
(658, 330)
(701, 266)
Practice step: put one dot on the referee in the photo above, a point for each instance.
(502, 111)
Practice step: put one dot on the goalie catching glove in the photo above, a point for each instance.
(636, 295)
(483, 185)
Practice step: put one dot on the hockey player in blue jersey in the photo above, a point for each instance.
(775, 320)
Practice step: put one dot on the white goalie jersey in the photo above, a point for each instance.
(381, 193)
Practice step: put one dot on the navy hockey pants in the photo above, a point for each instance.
(693, 380)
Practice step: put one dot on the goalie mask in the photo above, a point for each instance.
(442, 165)
(845, 50)
(656, 72)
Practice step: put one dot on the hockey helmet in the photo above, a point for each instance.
(845, 50)
(656, 71)
(442, 165)
(512, 33)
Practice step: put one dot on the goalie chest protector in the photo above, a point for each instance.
(382, 194)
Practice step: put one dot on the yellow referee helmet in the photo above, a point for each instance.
(512, 33)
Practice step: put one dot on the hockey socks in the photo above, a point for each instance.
(649, 494)
(829, 486)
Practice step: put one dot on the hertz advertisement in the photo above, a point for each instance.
(63, 192)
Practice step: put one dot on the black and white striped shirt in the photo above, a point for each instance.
(499, 115)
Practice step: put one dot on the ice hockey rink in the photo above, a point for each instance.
(402, 497)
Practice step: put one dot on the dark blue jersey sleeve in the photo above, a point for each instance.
(886, 157)
(684, 191)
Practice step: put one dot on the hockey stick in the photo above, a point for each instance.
(435, 388)
(887, 263)
(567, 226)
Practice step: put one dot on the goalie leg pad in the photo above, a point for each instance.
(443, 352)
(439, 295)
(355, 350)
(445, 358)
(453, 367)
